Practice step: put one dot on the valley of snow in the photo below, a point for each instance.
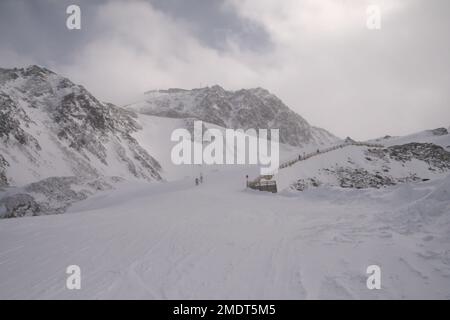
(91, 184)
(155, 136)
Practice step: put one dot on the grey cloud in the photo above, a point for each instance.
(212, 21)
(351, 81)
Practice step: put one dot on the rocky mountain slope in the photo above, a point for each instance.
(242, 109)
(50, 126)
(59, 144)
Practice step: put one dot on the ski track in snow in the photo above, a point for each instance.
(220, 241)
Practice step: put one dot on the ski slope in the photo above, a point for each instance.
(174, 240)
(155, 138)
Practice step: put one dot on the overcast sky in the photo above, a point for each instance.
(318, 56)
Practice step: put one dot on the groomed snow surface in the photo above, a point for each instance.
(174, 240)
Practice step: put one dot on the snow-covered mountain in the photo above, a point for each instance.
(242, 109)
(50, 127)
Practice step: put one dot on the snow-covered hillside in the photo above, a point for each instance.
(154, 137)
(242, 109)
(360, 166)
(50, 127)
(437, 136)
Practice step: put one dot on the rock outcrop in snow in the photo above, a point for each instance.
(359, 166)
(242, 109)
(50, 196)
(3, 165)
(435, 156)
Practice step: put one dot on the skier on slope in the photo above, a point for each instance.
(196, 181)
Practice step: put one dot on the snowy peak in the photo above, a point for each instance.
(34, 71)
(33, 80)
(241, 109)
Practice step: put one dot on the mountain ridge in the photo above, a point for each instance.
(239, 109)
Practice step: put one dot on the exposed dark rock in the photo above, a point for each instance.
(359, 178)
(11, 117)
(349, 140)
(19, 205)
(50, 196)
(303, 184)
(436, 156)
(439, 131)
(57, 188)
(3, 178)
